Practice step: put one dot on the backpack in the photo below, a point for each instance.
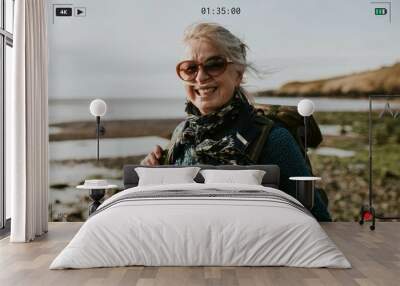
(288, 117)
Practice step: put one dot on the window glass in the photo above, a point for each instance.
(8, 74)
(9, 15)
(1, 14)
(2, 203)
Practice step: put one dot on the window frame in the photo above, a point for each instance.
(6, 39)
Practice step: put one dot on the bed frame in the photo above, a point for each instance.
(271, 177)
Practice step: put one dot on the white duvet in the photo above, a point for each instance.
(185, 231)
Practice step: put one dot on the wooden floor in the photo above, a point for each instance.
(375, 257)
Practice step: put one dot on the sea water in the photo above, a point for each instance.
(72, 110)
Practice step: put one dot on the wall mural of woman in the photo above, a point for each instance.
(222, 126)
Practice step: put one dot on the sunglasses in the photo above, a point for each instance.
(213, 66)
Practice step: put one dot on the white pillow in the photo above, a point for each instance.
(163, 176)
(248, 177)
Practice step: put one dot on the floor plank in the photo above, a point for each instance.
(374, 255)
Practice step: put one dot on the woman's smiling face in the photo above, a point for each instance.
(205, 92)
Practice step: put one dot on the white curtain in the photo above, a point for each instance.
(27, 123)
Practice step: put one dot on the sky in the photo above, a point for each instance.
(129, 48)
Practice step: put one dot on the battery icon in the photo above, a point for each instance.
(380, 11)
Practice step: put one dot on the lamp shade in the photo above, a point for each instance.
(98, 107)
(305, 107)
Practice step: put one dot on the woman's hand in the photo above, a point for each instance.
(153, 158)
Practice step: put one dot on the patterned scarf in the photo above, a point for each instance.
(212, 138)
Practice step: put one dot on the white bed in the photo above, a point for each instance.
(250, 225)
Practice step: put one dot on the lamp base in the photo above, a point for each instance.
(305, 193)
(305, 190)
(96, 195)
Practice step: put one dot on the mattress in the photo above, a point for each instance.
(201, 225)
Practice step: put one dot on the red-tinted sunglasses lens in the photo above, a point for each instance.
(213, 66)
(187, 70)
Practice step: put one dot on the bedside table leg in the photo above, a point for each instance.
(96, 196)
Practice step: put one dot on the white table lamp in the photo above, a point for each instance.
(306, 108)
(98, 108)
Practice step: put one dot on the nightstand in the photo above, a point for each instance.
(305, 190)
(97, 190)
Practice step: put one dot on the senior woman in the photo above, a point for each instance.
(222, 124)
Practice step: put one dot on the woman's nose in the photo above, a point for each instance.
(202, 76)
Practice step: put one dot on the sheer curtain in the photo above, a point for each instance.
(27, 123)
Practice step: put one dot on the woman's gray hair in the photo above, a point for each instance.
(231, 46)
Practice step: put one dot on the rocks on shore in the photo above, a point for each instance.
(385, 80)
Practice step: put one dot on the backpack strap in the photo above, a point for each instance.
(264, 124)
(166, 158)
